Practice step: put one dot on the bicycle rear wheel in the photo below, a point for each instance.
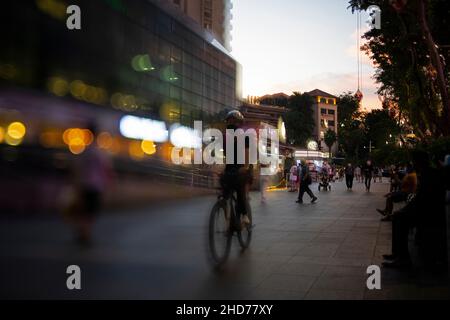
(219, 233)
(245, 235)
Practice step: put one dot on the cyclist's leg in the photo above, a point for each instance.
(241, 197)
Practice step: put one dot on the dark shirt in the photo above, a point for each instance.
(305, 174)
(235, 165)
(349, 171)
(429, 203)
(368, 170)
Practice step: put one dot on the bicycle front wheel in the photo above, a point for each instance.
(219, 233)
(245, 235)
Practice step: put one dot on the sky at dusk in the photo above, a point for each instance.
(299, 45)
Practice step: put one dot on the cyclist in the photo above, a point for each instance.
(238, 177)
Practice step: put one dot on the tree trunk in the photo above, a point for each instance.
(436, 60)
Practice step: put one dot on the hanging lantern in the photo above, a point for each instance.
(359, 95)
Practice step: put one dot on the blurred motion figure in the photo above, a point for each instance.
(92, 173)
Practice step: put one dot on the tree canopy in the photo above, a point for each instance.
(299, 119)
(409, 52)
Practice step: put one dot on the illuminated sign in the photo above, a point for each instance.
(312, 145)
(143, 129)
(184, 137)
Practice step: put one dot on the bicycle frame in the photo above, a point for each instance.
(230, 205)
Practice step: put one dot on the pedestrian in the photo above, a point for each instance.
(263, 180)
(426, 212)
(375, 174)
(349, 174)
(293, 178)
(305, 182)
(368, 173)
(92, 176)
(380, 174)
(358, 173)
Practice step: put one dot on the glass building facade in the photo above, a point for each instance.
(131, 55)
(139, 58)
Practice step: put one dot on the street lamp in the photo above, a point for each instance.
(370, 147)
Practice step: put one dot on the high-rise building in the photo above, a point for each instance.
(325, 116)
(213, 15)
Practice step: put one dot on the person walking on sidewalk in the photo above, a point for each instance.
(368, 173)
(358, 173)
(305, 182)
(293, 178)
(349, 173)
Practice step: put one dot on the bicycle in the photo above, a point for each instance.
(223, 223)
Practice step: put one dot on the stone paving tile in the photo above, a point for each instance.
(303, 269)
(288, 282)
(341, 282)
(318, 250)
(329, 237)
(358, 272)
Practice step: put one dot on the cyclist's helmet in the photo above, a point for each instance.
(234, 115)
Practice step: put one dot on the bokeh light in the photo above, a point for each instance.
(135, 151)
(2, 134)
(58, 86)
(77, 139)
(116, 146)
(78, 88)
(168, 74)
(148, 147)
(77, 146)
(12, 141)
(104, 140)
(142, 63)
(54, 8)
(16, 130)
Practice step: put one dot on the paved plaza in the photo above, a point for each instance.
(307, 251)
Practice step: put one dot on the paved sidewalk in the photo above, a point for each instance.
(308, 251)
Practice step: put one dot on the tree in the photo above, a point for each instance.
(299, 119)
(410, 61)
(352, 137)
(329, 139)
(380, 128)
(347, 107)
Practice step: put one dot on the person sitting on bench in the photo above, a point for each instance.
(409, 185)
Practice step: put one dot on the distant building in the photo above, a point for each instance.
(325, 116)
(265, 113)
(276, 99)
(213, 15)
(268, 117)
(324, 109)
